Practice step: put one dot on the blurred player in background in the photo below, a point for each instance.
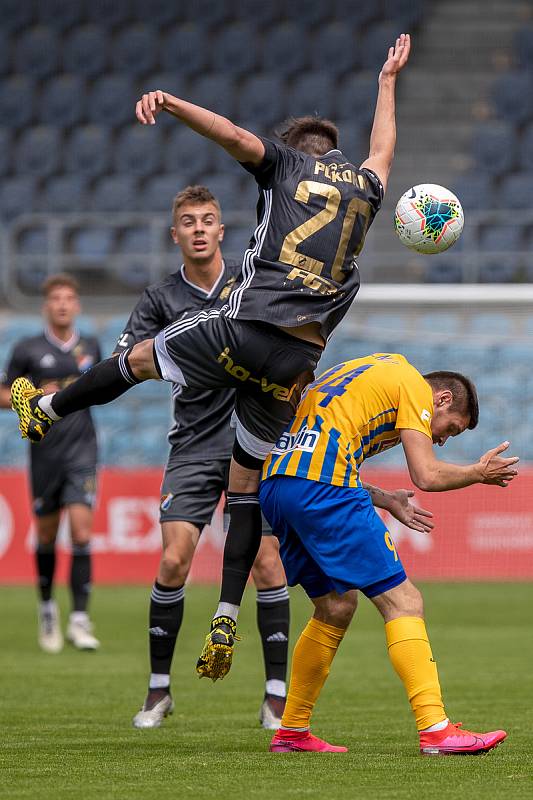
(299, 278)
(62, 469)
(333, 542)
(197, 470)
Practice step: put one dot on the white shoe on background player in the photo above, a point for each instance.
(156, 707)
(50, 636)
(271, 712)
(80, 632)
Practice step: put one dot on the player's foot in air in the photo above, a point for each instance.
(453, 741)
(156, 707)
(34, 424)
(215, 658)
(285, 741)
(50, 636)
(80, 633)
(271, 712)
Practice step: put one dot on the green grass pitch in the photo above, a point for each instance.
(66, 720)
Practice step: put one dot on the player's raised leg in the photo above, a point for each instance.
(411, 656)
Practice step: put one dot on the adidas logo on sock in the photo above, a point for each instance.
(277, 637)
(157, 631)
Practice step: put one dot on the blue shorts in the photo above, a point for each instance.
(331, 538)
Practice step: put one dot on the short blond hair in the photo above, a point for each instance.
(60, 279)
(194, 194)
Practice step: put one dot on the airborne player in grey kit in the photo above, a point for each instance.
(196, 474)
(62, 469)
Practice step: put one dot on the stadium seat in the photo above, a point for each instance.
(6, 158)
(39, 150)
(62, 101)
(284, 49)
(494, 146)
(112, 100)
(523, 46)
(137, 240)
(212, 15)
(156, 12)
(109, 13)
(17, 101)
(88, 150)
(216, 91)
(33, 241)
(134, 272)
(490, 324)
(335, 49)
(185, 49)
(226, 189)
(236, 241)
(353, 141)
(187, 151)
(134, 49)
(439, 322)
(138, 150)
(444, 269)
(17, 196)
(501, 269)
(526, 149)
(159, 192)
(234, 49)
(512, 96)
(115, 193)
(307, 14)
(59, 14)
(262, 98)
(64, 193)
(375, 45)
(501, 238)
(355, 98)
(475, 190)
(36, 52)
(91, 244)
(261, 13)
(15, 14)
(5, 52)
(359, 12)
(405, 13)
(86, 51)
(311, 93)
(516, 191)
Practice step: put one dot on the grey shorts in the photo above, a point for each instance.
(191, 491)
(63, 486)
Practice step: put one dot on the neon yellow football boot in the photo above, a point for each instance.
(215, 658)
(34, 424)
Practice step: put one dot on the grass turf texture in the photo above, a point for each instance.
(66, 719)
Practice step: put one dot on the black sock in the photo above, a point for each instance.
(242, 544)
(166, 615)
(273, 622)
(80, 576)
(45, 558)
(99, 385)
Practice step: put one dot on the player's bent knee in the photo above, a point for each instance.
(174, 567)
(336, 609)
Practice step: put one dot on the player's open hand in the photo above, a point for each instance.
(497, 470)
(397, 56)
(407, 513)
(149, 106)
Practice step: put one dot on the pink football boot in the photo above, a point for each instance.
(301, 742)
(453, 741)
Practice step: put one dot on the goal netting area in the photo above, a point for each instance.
(485, 332)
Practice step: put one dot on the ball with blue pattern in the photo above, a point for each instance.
(428, 218)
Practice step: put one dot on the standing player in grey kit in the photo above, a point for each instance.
(197, 471)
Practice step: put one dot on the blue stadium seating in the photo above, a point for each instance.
(353, 141)
(500, 269)
(5, 53)
(134, 50)
(439, 322)
(213, 15)
(186, 150)
(159, 191)
(134, 272)
(37, 52)
(302, 12)
(512, 96)
(185, 49)
(59, 14)
(38, 151)
(358, 12)
(15, 14)
(115, 193)
(490, 324)
(236, 241)
(495, 146)
(234, 49)
(88, 150)
(262, 98)
(216, 91)
(138, 150)
(284, 49)
(86, 51)
(501, 238)
(156, 12)
(405, 13)
(226, 189)
(112, 100)
(443, 269)
(375, 45)
(523, 46)
(356, 98)
(516, 191)
(526, 148)
(92, 244)
(312, 93)
(17, 196)
(109, 13)
(5, 151)
(64, 193)
(17, 102)
(62, 101)
(33, 241)
(335, 49)
(261, 13)
(475, 190)
(136, 241)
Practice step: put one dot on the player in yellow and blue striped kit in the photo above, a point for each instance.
(333, 543)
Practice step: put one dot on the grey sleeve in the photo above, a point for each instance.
(145, 322)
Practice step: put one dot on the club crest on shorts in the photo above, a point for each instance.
(166, 501)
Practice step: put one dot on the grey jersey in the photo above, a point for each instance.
(46, 360)
(313, 215)
(201, 428)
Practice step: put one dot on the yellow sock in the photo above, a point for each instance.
(411, 657)
(311, 660)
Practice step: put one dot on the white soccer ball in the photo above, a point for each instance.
(428, 218)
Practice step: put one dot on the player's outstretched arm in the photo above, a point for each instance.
(432, 475)
(398, 504)
(238, 142)
(383, 135)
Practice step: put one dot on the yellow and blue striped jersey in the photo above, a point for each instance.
(352, 412)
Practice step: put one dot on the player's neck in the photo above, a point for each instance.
(61, 333)
(204, 274)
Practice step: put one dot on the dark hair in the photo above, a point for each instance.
(194, 194)
(60, 279)
(312, 135)
(463, 391)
